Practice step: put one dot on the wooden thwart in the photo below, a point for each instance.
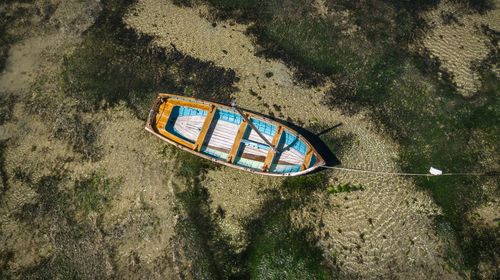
(270, 155)
(307, 159)
(237, 141)
(204, 129)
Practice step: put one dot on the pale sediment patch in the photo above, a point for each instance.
(405, 223)
(320, 7)
(457, 39)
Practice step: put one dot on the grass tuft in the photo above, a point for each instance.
(92, 192)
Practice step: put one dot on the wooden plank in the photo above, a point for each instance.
(204, 129)
(176, 139)
(237, 141)
(271, 153)
(177, 102)
(307, 159)
(163, 115)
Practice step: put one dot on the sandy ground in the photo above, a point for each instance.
(460, 43)
(400, 239)
(132, 238)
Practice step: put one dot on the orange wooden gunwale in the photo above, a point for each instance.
(160, 120)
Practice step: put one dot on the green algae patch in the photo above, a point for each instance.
(279, 251)
(92, 192)
(105, 69)
(62, 207)
(61, 198)
(276, 248)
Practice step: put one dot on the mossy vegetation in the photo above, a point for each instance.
(7, 102)
(60, 267)
(51, 200)
(279, 251)
(92, 193)
(61, 207)
(344, 188)
(3, 175)
(303, 185)
(407, 93)
(55, 198)
(6, 106)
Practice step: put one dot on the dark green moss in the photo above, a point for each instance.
(224, 263)
(59, 267)
(299, 187)
(7, 102)
(51, 202)
(6, 256)
(90, 193)
(81, 134)
(279, 251)
(108, 69)
(57, 211)
(3, 175)
(344, 188)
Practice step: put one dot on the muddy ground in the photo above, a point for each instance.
(87, 193)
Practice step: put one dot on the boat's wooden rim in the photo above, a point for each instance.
(163, 97)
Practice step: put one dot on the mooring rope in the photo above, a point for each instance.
(494, 174)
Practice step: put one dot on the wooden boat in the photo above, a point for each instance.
(228, 136)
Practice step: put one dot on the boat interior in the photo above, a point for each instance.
(223, 134)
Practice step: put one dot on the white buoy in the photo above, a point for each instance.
(435, 171)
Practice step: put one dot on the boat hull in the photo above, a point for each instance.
(219, 133)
